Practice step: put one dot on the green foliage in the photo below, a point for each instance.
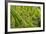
(24, 16)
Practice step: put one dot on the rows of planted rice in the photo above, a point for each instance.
(24, 16)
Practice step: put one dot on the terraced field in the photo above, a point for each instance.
(25, 16)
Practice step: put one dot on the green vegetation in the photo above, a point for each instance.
(25, 16)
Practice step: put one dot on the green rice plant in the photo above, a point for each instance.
(24, 16)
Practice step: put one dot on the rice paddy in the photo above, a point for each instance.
(25, 16)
